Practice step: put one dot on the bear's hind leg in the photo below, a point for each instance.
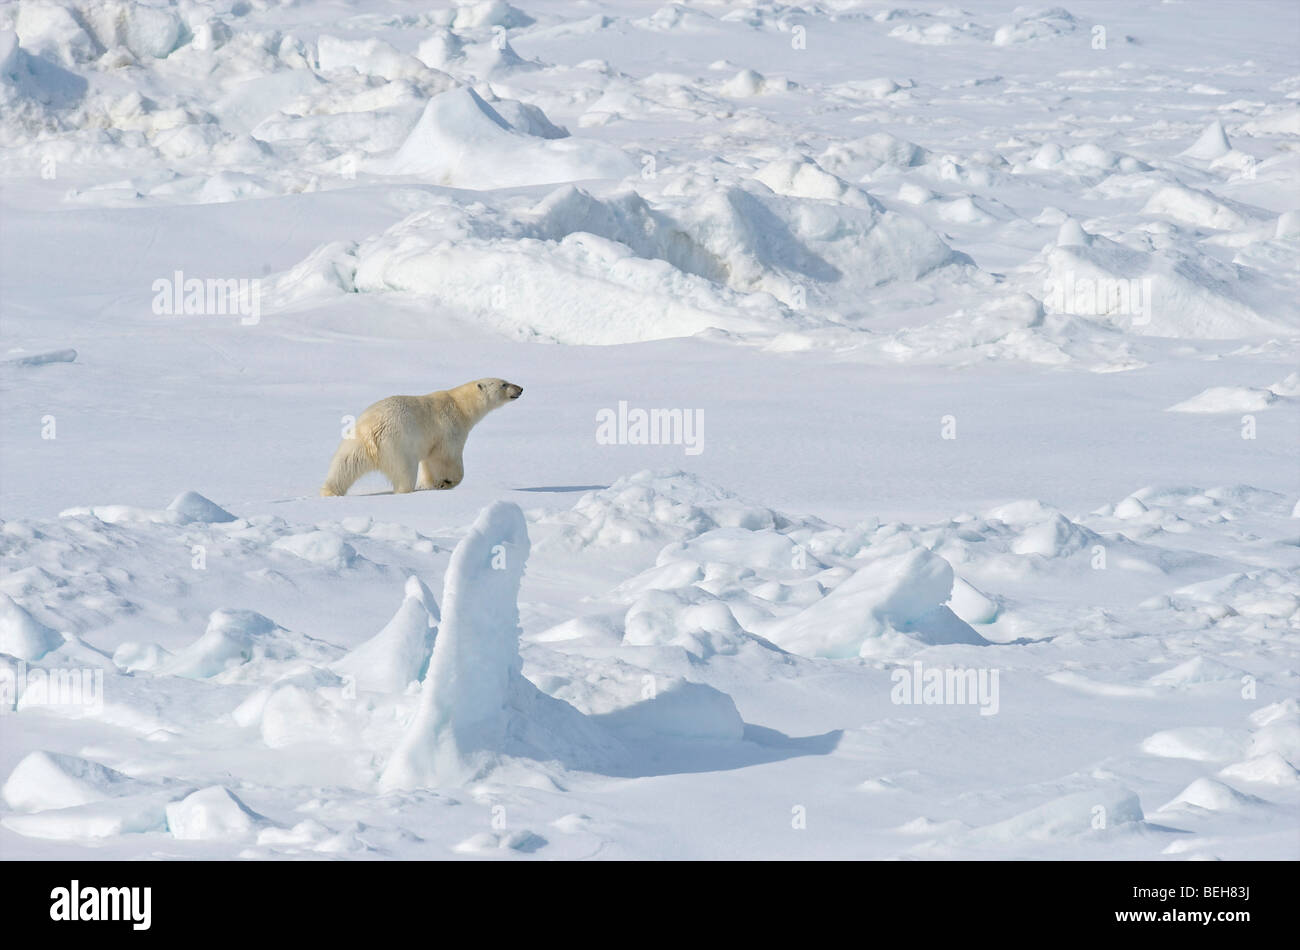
(425, 478)
(350, 462)
(399, 469)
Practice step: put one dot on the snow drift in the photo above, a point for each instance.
(476, 706)
(462, 141)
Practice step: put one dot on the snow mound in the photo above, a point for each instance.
(1199, 743)
(881, 87)
(1286, 711)
(1290, 386)
(476, 14)
(804, 178)
(1072, 234)
(774, 243)
(329, 270)
(22, 635)
(753, 544)
(149, 32)
(115, 32)
(1081, 814)
(749, 82)
(190, 506)
(1009, 326)
(904, 593)
(1057, 536)
(1227, 399)
(1197, 208)
(52, 31)
(873, 154)
(33, 93)
(688, 617)
(306, 706)
(626, 218)
(237, 638)
(485, 841)
(370, 57)
(476, 706)
(1211, 144)
(938, 34)
(1280, 737)
(1196, 671)
(573, 269)
(399, 653)
(1267, 769)
(212, 814)
(43, 780)
(1274, 122)
(576, 268)
(1045, 24)
(319, 547)
(753, 241)
(463, 142)
(1207, 794)
(1156, 294)
(529, 119)
(971, 604)
(729, 576)
(655, 506)
(129, 814)
(135, 657)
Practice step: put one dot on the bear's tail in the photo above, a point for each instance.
(352, 460)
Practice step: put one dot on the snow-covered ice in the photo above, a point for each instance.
(949, 506)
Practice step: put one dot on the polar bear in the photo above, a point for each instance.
(417, 441)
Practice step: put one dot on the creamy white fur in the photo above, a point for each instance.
(416, 441)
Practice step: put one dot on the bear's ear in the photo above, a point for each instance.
(481, 386)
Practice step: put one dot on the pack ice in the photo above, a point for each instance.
(987, 318)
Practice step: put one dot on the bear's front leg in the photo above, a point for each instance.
(442, 472)
(452, 473)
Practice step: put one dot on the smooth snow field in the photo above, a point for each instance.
(908, 463)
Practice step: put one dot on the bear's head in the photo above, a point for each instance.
(497, 392)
